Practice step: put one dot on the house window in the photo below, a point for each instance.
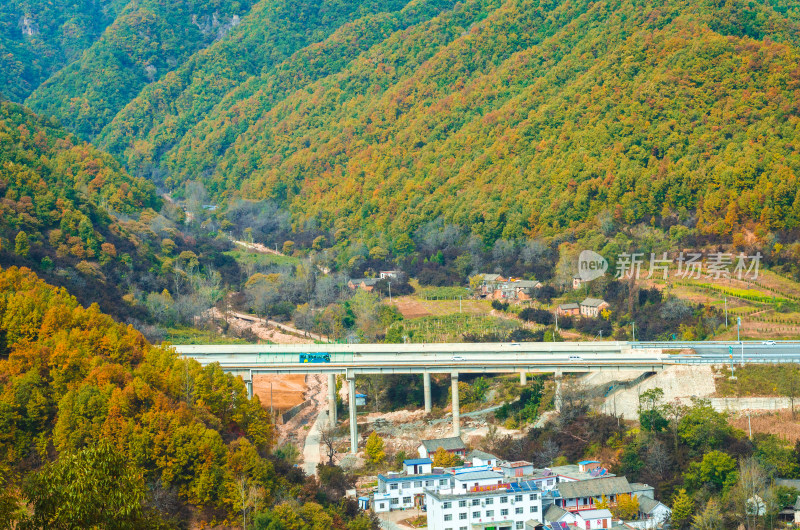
(534, 509)
(418, 484)
(518, 510)
(393, 486)
(518, 498)
(448, 517)
(429, 483)
(504, 511)
(550, 482)
(476, 515)
(395, 501)
(489, 513)
(462, 516)
(406, 500)
(461, 504)
(462, 528)
(520, 525)
(382, 505)
(533, 496)
(446, 505)
(503, 500)
(489, 501)
(443, 482)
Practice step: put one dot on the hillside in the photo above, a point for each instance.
(39, 38)
(72, 213)
(509, 119)
(148, 39)
(172, 443)
(151, 39)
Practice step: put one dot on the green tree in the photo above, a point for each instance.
(651, 415)
(94, 487)
(682, 510)
(702, 427)
(710, 519)
(378, 253)
(716, 471)
(404, 245)
(21, 245)
(374, 448)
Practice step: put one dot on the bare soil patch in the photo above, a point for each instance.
(780, 423)
(410, 308)
(282, 391)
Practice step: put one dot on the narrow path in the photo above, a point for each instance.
(284, 327)
(311, 455)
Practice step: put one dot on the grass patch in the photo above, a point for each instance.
(442, 293)
(190, 336)
(451, 328)
(751, 380)
(259, 259)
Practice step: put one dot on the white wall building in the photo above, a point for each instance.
(398, 491)
(487, 502)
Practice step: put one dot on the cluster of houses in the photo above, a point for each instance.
(490, 493)
(498, 287)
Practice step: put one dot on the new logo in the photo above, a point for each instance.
(591, 265)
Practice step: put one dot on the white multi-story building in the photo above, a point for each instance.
(398, 491)
(483, 499)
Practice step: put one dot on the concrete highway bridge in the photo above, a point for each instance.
(426, 359)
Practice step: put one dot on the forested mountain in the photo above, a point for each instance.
(509, 119)
(148, 39)
(39, 38)
(71, 212)
(85, 401)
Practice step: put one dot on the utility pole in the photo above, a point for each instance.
(726, 312)
(633, 330)
(390, 293)
(738, 325)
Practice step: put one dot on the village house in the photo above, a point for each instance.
(388, 275)
(591, 307)
(399, 491)
(480, 458)
(653, 511)
(516, 469)
(568, 310)
(577, 281)
(368, 284)
(453, 445)
(525, 289)
(488, 284)
(586, 494)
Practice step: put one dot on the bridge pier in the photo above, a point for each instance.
(557, 397)
(351, 402)
(332, 399)
(523, 378)
(426, 385)
(456, 411)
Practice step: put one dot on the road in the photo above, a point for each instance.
(478, 358)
